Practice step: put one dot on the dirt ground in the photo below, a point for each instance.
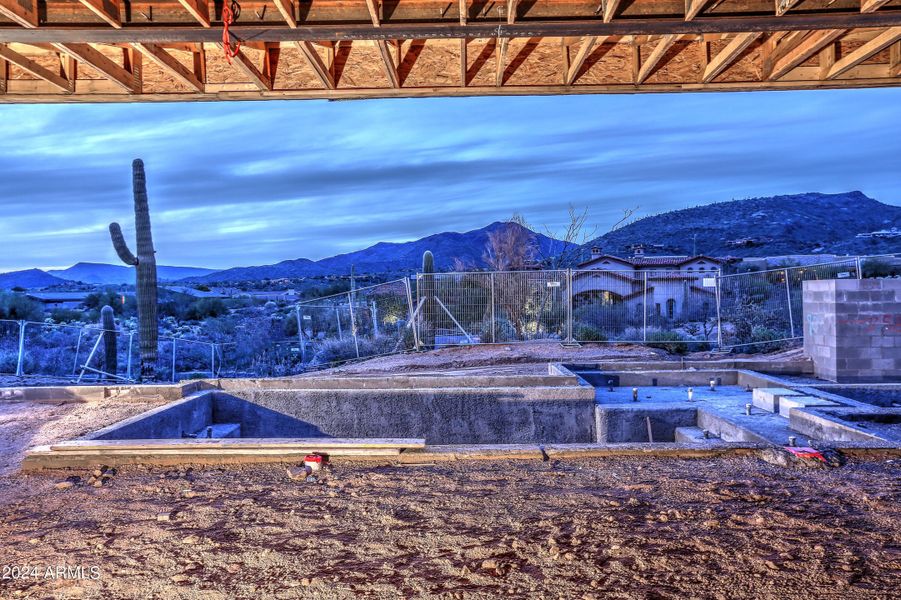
(587, 528)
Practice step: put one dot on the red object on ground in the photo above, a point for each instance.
(806, 452)
(315, 458)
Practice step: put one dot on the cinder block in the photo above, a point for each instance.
(768, 398)
(786, 403)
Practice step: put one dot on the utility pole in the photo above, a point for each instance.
(694, 247)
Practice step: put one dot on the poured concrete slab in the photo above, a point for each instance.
(786, 403)
(768, 398)
(694, 435)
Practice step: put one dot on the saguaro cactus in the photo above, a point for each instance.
(110, 357)
(427, 330)
(145, 271)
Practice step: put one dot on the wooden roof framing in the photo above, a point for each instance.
(109, 50)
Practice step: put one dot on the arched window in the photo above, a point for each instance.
(670, 308)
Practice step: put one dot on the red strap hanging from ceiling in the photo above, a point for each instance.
(230, 13)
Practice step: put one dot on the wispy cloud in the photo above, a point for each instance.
(251, 183)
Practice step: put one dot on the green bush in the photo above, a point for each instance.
(763, 340)
(875, 267)
(670, 341)
(19, 307)
(588, 333)
(335, 351)
(504, 331)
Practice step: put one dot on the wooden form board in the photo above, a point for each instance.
(413, 48)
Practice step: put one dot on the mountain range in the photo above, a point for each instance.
(798, 224)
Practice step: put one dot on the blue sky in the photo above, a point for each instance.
(254, 183)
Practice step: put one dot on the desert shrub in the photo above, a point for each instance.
(588, 333)
(19, 308)
(337, 351)
(875, 267)
(66, 315)
(205, 308)
(671, 341)
(504, 331)
(764, 339)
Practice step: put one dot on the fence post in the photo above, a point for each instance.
(131, 338)
(412, 311)
(719, 318)
(303, 345)
(338, 318)
(374, 312)
(788, 292)
(569, 306)
(77, 350)
(859, 269)
(491, 299)
(644, 325)
(353, 324)
(173, 360)
(20, 363)
(212, 360)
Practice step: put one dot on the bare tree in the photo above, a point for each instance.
(511, 247)
(565, 248)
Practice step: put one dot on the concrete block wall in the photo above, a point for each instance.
(852, 329)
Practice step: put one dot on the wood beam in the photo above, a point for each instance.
(260, 79)
(463, 12)
(807, 47)
(588, 44)
(659, 50)
(501, 61)
(692, 8)
(894, 67)
(388, 65)
(464, 63)
(286, 9)
(30, 66)
(485, 29)
(23, 12)
(877, 44)
(512, 6)
(827, 58)
(868, 6)
(373, 6)
(783, 6)
(170, 64)
(97, 60)
(108, 10)
(728, 55)
(609, 7)
(199, 9)
(316, 63)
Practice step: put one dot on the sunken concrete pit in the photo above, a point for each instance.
(574, 410)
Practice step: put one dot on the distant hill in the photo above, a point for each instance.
(29, 279)
(103, 274)
(797, 224)
(467, 247)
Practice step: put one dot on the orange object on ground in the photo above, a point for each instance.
(806, 452)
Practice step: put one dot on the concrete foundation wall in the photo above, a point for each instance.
(852, 329)
(618, 424)
(169, 421)
(441, 416)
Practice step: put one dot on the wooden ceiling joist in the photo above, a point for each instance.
(258, 77)
(868, 6)
(575, 66)
(728, 55)
(170, 64)
(653, 59)
(286, 9)
(877, 44)
(108, 10)
(23, 12)
(323, 73)
(693, 7)
(812, 43)
(739, 45)
(373, 6)
(609, 9)
(32, 67)
(501, 64)
(388, 65)
(199, 9)
(88, 55)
